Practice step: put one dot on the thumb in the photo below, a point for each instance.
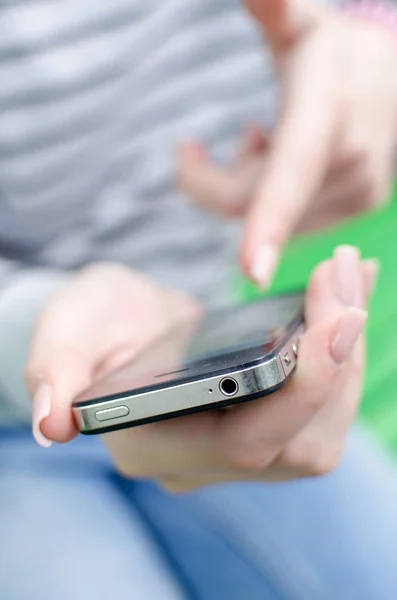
(284, 21)
(55, 375)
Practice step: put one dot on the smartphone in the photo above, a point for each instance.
(221, 358)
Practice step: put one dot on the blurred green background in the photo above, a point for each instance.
(376, 236)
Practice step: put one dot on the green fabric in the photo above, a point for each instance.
(376, 235)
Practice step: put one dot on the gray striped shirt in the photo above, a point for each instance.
(94, 98)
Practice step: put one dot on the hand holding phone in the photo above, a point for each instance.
(297, 431)
(214, 360)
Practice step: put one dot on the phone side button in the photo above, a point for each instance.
(112, 413)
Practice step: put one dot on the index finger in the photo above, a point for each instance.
(296, 165)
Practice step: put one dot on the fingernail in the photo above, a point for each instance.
(264, 266)
(347, 332)
(347, 275)
(41, 410)
(371, 268)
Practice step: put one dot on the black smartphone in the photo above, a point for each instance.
(222, 358)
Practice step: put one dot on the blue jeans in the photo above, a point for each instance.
(71, 529)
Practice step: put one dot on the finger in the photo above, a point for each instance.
(296, 167)
(226, 191)
(335, 285)
(344, 193)
(208, 185)
(208, 441)
(336, 204)
(64, 352)
(256, 432)
(342, 383)
(285, 21)
(254, 142)
(55, 375)
(59, 382)
(85, 334)
(186, 483)
(348, 188)
(186, 444)
(354, 190)
(317, 449)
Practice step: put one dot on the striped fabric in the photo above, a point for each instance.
(94, 98)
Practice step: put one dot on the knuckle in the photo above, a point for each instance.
(359, 155)
(33, 375)
(299, 454)
(370, 191)
(357, 151)
(317, 394)
(325, 463)
(320, 278)
(248, 456)
(129, 470)
(368, 185)
(311, 457)
(124, 469)
(234, 210)
(127, 467)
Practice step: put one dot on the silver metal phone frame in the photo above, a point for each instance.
(189, 396)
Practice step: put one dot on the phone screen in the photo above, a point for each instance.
(230, 337)
(238, 328)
